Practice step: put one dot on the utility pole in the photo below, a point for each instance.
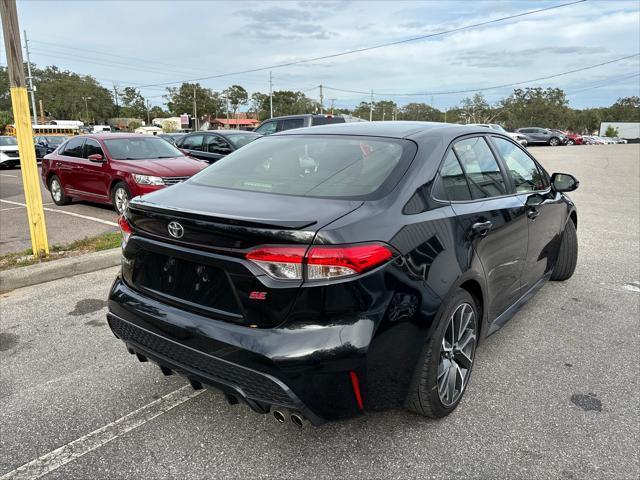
(321, 100)
(332, 101)
(30, 78)
(195, 110)
(24, 130)
(86, 108)
(270, 95)
(371, 107)
(41, 111)
(115, 97)
(148, 104)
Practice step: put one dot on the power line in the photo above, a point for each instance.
(480, 89)
(611, 81)
(374, 47)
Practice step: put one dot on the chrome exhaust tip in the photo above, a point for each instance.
(279, 416)
(297, 420)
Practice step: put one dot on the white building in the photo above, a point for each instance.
(148, 130)
(626, 130)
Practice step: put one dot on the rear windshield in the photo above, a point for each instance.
(145, 147)
(313, 166)
(326, 120)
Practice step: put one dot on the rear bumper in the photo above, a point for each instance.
(304, 370)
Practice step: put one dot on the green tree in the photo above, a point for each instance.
(133, 103)
(421, 112)
(236, 96)
(170, 126)
(625, 109)
(133, 125)
(476, 109)
(285, 102)
(536, 107)
(63, 95)
(611, 131)
(180, 100)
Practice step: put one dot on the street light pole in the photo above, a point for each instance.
(86, 107)
(30, 77)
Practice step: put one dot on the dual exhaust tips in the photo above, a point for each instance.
(296, 419)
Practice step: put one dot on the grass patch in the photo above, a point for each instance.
(79, 247)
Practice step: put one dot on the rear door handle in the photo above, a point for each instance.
(532, 213)
(482, 227)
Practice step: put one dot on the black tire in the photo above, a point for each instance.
(424, 397)
(57, 191)
(554, 141)
(119, 189)
(568, 254)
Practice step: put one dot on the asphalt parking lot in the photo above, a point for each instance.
(64, 224)
(554, 395)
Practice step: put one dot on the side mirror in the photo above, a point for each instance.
(564, 182)
(96, 157)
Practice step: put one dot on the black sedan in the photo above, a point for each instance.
(324, 272)
(212, 145)
(46, 144)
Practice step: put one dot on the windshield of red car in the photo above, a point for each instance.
(143, 148)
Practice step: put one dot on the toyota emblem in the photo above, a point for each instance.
(175, 230)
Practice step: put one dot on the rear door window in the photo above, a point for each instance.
(73, 148)
(216, 144)
(192, 142)
(453, 180)
(290, 124)
(313, 165)
(481, 168)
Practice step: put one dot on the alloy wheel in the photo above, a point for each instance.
(554, 142)
(457, 354)
(122, 199)
(56, 190)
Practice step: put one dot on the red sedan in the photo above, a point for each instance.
(114, 168)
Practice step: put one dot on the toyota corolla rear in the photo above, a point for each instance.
(229, 280)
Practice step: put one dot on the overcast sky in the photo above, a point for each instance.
(150, 42)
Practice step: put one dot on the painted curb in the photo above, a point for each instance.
(65, 267)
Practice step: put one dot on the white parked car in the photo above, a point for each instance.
(518, 137)
(9, 154)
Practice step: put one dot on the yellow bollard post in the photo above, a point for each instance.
(24, 130)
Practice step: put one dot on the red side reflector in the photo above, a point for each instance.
(356, 389)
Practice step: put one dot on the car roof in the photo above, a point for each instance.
(112, 135)
(392, 129)
(224, 132)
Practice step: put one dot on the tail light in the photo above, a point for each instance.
(319, 262)
(125, 229)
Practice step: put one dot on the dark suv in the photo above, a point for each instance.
(324, 272)
(280, 124)
(543, 136)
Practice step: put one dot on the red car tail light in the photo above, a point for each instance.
(283, 263)
(319, 262)
(125, 228)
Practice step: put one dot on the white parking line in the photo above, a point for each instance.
(64, 212)
(7, 175)
(103, 435)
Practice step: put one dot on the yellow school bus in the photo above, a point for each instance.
(47, 130)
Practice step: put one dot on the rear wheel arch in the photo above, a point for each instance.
(475, 290)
